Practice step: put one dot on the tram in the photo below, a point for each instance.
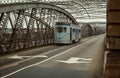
(64, 33)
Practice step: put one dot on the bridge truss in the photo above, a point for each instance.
(30, 23)
(81, 9)
(27, 25)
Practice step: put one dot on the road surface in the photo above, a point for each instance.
(80, 60)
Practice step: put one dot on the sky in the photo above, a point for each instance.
(92, 20)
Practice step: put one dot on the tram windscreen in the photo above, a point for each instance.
(59, 29)
(65, 29)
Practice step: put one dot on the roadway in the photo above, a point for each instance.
(80, 60)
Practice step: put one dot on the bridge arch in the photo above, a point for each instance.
(86, 30)
(18, 6)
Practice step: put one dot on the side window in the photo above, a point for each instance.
(73, 30)
(65, 29)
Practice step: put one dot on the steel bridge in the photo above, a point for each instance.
(27, 24)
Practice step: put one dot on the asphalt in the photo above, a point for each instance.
(62, 61)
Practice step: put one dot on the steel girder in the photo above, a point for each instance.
(72, 6)
(84, 9)
(27, 25)
(17, 6)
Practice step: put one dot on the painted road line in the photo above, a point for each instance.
(6, 66)
(22, 57)
(75, 60)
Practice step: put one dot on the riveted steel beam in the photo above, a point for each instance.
(17, 6)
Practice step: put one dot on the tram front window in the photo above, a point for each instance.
(65, 29)
(59, 29)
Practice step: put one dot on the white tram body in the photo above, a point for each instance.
(64, 33)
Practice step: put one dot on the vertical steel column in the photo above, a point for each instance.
(16, 32)
(3, 22)
(45, 32)
(19, 30)
(51, 32)
(29, 40)
(41, 27)
(1, 33)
